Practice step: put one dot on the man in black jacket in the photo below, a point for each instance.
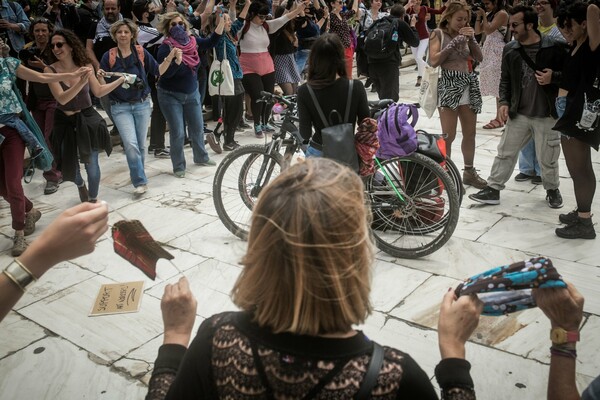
(383, 68)
(531, 70)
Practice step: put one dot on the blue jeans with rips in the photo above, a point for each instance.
(177, 109)
(132, 121)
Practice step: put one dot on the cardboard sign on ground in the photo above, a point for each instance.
(118, 298)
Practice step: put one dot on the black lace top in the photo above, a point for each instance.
(222, 363)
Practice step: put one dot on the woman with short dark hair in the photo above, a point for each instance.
(580, 25)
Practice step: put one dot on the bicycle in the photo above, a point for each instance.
(414, 200)
(244, 172)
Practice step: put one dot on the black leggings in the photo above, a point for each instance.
(254, 84)
(578, 157)
(233, 107)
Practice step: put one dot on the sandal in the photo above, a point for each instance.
(493, 124)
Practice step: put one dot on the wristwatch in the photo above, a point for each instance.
(561, 336)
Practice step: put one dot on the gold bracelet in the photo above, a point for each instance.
(19, 274)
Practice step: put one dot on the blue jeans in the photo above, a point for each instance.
(177, 108)
(301, 58)
(561, 105)
(132, 121)
(528, 163)
(13, 121)
(93, 172)
(312, 152)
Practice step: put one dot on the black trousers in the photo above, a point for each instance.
(254, 84)
(158, 124)
(385, 77)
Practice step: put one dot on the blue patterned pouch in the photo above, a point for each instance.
(507, 289)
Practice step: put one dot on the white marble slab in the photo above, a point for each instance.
(60, 277)
(392, 283)
(108, 337)
(17, 333)
(539, 238)
(53, 368)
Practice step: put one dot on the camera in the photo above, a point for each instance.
(26, 54)
(138, 84)
(476, 6)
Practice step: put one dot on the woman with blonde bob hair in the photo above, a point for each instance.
(305, 285)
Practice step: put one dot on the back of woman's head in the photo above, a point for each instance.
(78, 53)
(307, 269)
(326, 61)
(452, 7)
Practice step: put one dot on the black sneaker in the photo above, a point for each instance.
(569, 218)
(162, 153)
(244, 125)
(487, 195)
(582, 228)
(231, 146)
(554, 198)
(151, 149)
(536, 180)
(206, 130)
(521, 177)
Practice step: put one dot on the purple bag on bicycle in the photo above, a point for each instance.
(397, 136)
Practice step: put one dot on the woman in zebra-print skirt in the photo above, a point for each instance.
(452, 47)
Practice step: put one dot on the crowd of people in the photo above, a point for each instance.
(294, 337)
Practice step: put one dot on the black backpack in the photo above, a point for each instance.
(382, 38)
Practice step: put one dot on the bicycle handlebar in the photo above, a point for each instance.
(271, 96)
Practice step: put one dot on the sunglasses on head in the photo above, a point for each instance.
(58, 45)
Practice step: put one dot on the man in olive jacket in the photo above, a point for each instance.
(531, 70)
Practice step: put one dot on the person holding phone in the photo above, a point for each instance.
(452, 47)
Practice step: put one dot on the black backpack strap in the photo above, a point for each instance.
(348, 102)
(370, 379)
(528, 59)
(317, 106)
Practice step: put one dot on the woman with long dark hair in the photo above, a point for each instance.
(339, 24)
(233, 106)
(328, 78)
(79, 131)
(283, 49)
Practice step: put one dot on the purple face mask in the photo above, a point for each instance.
(179, 34)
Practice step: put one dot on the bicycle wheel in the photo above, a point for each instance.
(414, 204)
(239, 179)
(454, 173)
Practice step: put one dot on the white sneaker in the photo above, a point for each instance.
(140, 190)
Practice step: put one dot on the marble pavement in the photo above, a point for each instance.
(51, 349)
